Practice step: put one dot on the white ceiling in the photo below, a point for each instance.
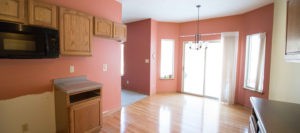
(185, 10)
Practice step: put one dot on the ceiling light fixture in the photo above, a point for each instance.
(198, 43)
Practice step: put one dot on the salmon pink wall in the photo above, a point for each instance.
(137, 49)
(153, 60)
(139, 46)
(167, 31)
(217, 25)
(32, 76)
(260, 20)
(144, 40)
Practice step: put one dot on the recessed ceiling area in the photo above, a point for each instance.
(185, 10)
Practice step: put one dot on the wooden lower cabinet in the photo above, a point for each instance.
(78, 113)
(85, 116)
(78, 107)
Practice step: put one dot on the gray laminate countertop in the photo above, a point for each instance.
(276, 116)
(75, 84)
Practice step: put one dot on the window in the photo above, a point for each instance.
(255, 62)
(167, 59)
(122, 59)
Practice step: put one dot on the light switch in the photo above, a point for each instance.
(104, 67)
(72, 69)
(147, 61)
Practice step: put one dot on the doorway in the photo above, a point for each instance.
(202, 69)
(128, 97)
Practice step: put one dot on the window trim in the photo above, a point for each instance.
(122, 63)
(260, 70)
(173, 60)
(246, 63)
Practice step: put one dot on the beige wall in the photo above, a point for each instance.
(35, 111)
(285, 77)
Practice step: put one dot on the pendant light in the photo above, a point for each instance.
(197, 45)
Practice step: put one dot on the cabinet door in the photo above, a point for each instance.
(120, 32)
(85, 116)
(75, 32)
(12, 10)
(103, 27)
(292, 49)
(42, 14)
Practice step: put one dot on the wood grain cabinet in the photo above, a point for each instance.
(120, 32)
(75, 32)
(103, 27)
(85, 116)
(78, 107)
(292, 49)
(12, 10)
(42, 14)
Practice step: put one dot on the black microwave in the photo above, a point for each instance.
(19, 41)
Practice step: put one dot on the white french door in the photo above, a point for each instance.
(193, 70)
(202, 69)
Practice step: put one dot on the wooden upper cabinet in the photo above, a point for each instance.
(120, 32)
(42, 14)
(292, 51)
(12, 10)
(75, 32)
(103, 27)
(109, 29)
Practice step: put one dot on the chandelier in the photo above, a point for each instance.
(197, 45)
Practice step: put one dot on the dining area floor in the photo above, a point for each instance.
(177, 113)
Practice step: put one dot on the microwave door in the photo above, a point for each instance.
(52, 46)
(16, 45)
(40, 44)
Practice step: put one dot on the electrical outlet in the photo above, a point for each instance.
(127, 81)
(72, 69)
(147, 61)
(104, 67)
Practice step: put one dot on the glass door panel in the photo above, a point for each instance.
(193, 73)
(203, 69)
(213, 69)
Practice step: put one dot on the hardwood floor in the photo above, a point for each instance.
(175, 113)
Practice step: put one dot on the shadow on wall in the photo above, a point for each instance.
(30, 113)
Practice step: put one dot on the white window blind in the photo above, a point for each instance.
(167, 59)
(255, 62)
